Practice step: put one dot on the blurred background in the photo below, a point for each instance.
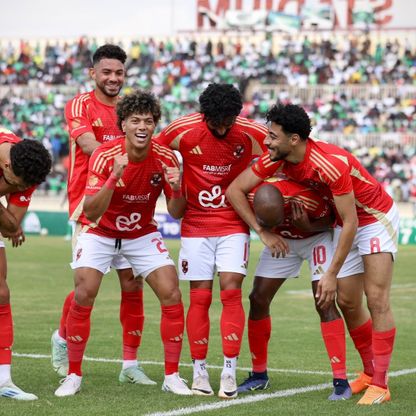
(350, 63)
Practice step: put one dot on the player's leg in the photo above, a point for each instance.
(7, 388)
(92, 258)
(231, 259)
(350, 300)
(318, 251)
(196, 264)
(259, 331)
(132, 321)
(150, 258)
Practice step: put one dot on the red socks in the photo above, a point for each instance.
(362, 338)
(64, 316)
(172, 325)
(197, 322)
(6, 334)
(78, 332)
(382, 348)
(232, 322)
(333, 333)
(258, 340)
(132, 320)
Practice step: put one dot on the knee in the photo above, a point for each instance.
(349, 305)
(329, 313)
(172, 297)
(378, 302)
(4, 294)
(259, 303)
(85, 296)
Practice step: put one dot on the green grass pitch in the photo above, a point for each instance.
(39, 278)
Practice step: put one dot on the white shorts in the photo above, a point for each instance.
(145, 254)
(200, 257)
(379, 237)
(317, 250)
(118, 263)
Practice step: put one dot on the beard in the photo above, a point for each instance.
(278, 155)
(114, 92)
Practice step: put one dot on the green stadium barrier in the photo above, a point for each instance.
(46, 223)
(56, 223)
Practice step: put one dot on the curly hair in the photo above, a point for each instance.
(138, 102)
(30, 161)
(220, 101)
(109, 51)
(292, 118)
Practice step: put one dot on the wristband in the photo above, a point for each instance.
(176, 194)
(111, 182)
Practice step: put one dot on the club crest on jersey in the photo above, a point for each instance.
(78, 256)
(156, 179)
(238, 151)
(92, 180)
(185, 266)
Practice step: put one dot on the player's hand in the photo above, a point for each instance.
(172, 176)
(326, 290)
(18, 238)
(276, 244)
(120, 163)
(300, 217)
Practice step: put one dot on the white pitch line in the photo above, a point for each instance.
(113, 360)
(258, 397)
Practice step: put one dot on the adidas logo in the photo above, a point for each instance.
(75, 338)
(203, 341)
(177, 338)
(232, 337)
(319, 270)
(97, 123)
(335, 360)
(196, 150)
(136, 333)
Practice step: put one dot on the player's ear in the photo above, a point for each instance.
(295, 138)
(92, 73)
(123, 126)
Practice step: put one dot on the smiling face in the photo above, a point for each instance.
(279, 143)
(139, 130)
(108, 75)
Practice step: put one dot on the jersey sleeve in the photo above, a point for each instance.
(168, 158)
(22, 199)
(77, 118)
(98, 173)
(264, 167)
(336, 175)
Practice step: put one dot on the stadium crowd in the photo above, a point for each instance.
(177, 71)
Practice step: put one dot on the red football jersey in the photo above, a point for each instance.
(130, 213)
(84, 113)
(331, 170)
(20, 198)
(316, 207)
(209, 165)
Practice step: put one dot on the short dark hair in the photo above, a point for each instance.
(220, 101)
(109, 51)
(292, 118)
(30, 161)
(138, 102)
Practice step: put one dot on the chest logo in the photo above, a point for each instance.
(213, 199)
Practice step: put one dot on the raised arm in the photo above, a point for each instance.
(95, 205)
(176, 204)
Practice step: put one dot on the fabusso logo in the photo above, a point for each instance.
(136, 198)
(217, 170)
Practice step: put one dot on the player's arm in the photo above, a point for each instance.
(8, 222)
(345, 205)
(18, 212)
(87, 142)
(95, 205)
(176, 204)
(300, 219)
(236, 194)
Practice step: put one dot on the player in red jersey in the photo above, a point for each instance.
(365, 239)
(216, 144)
(92, 120)
(23, 165)
(124, 181)
(303, 218)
